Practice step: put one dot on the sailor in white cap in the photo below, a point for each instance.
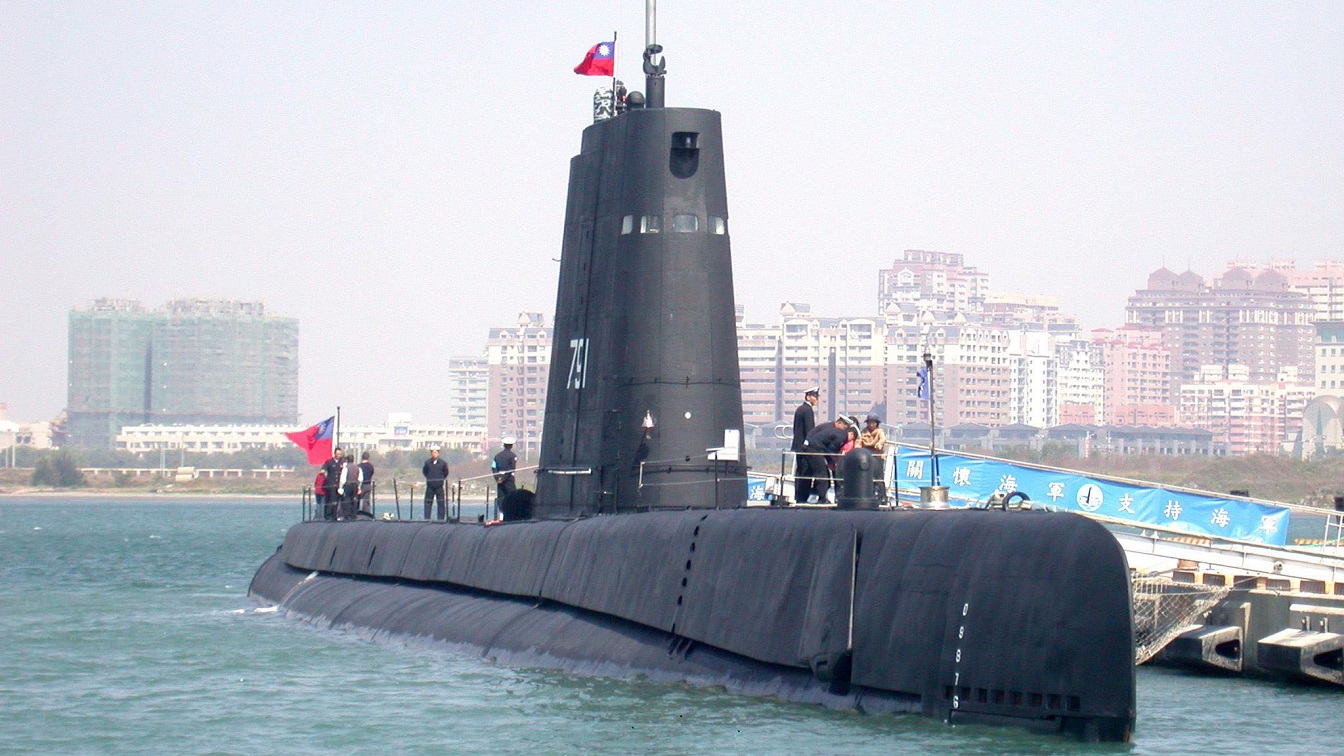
(804, 420)
(502, 467)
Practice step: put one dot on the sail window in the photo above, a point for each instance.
(650, 224)
(685, 155)
(627, 224)
(717, 226)
(685, 224)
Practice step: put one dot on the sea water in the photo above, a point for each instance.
(125, 627)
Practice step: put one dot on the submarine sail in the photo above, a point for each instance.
(644, 403)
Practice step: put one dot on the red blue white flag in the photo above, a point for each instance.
(317, 440)
(600, 61)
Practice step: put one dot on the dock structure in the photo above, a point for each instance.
(1278, 611)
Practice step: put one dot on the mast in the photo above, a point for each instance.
(654, 64)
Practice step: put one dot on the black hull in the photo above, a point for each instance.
(1019, 618)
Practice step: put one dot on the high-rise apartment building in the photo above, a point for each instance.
(1243, 317)
(1082, 380)
(973, 374)
(1330, 357)
(760, 365)
(193, 361)
(939, 281)
(468, 391)
(1034, 392)
(1137, 376)
(1248, 416)
(519, 362)
(1322, 284)
(847, 358)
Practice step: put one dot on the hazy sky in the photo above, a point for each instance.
(393, 174)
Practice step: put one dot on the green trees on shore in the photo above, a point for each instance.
(59, 469)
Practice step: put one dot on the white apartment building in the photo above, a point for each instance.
(13, 433)
(1250, 417)
(468, 391)
(1081, 381)
(1034, 395)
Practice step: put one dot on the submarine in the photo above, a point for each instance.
(637, 554)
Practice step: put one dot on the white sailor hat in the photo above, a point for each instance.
(509, 440)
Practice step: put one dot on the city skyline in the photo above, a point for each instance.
(373, 171)
(540, 320)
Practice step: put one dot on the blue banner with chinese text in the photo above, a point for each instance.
(972, 480)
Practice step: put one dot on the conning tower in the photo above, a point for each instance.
(644, 405)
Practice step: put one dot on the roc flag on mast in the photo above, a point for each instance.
(316, 441)
(600, 61)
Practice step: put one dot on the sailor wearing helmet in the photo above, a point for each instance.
(874, 439)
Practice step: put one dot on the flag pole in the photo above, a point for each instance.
(613, 74)
(336, 434)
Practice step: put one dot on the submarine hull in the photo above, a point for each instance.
(1002, 617)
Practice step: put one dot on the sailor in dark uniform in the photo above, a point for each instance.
(822, 448)
(503, 466)
(804, 420)
(332, 483)
(350, 482)
(436, 473)
(365, 483)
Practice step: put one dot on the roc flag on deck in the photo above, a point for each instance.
(600, 61)
(317, 440)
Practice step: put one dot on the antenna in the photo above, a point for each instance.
(654, 65)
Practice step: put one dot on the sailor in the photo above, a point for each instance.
(320, 491)
(365, 483)
(350, 484)
(874, 439)
(804, 420)
(436, 472)
(820, 449)
(502, 467)
(332, 482)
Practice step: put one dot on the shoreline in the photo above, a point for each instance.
(86, 493)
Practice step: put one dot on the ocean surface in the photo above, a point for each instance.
(125, 627)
